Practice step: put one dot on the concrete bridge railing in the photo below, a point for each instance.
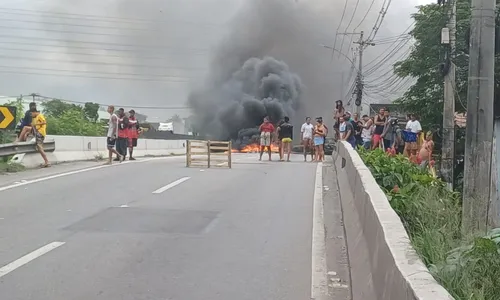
(384, 265)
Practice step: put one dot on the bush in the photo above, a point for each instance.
(467, 268)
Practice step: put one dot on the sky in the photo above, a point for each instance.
(153, 53)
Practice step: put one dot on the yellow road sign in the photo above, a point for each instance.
(7, 117)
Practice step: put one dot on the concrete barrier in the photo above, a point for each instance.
(79, 148)
(384, 265)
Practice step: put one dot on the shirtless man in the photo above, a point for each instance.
(306, 135)
(425, 153)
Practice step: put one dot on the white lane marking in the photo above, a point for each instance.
(171, 185)
(26, 182)
(124, 206)
(29, 257)
(319, 280)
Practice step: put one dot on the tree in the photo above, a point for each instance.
(56, 108)
(71, 119)
(425, 63)
(91, 111)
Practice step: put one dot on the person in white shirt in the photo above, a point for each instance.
(306, 135)
(413, 129)
(366, 132)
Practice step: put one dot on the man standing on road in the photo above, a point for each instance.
(266, 130)
(286, 130)
(134, 131)
(122, 140)
(112, 135)
(39, 125)
(306, 135)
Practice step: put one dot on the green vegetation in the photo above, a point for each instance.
(10, 167)
(71, 119)
(469, 268)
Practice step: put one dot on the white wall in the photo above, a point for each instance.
(77, 148)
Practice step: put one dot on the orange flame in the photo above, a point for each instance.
(255, 148)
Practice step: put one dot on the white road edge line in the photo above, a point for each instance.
(319, 279)
(171, 185)
(26, 182)
(29, 257)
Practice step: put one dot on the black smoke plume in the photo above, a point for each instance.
(259, 88)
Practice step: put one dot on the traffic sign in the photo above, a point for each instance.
(7, 117)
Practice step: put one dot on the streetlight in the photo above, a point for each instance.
(342, 54)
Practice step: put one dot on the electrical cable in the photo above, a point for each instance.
(348, 25)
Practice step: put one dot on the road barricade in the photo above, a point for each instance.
(208, 153)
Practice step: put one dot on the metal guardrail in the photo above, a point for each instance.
(25, 147)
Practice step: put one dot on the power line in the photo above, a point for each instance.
(100, 43)
(89, 17)
(100, 72)
(84, 76)
(88, 48)
(107, 104)
(338, 28)
(99, 63)
(348, 25)
(382, 14)
(366, 14)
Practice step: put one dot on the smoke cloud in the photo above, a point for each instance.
(261, 87)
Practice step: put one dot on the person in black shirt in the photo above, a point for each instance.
(286, 132)
(25, 124)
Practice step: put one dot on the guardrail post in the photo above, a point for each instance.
(188, 153)
(229, 152)
(208, 154)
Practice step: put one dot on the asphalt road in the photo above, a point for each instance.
(154, 229)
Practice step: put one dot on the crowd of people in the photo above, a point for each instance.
(122, 135)
(312, 137)
(384, 131)
(123, 132)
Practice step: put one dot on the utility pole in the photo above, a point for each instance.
(359, 78)
(479, 132)
(448, 150)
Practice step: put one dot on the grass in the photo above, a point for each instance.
(10, 167)
(468, 267)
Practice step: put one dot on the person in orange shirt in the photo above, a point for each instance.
(133, 133)
(39, 125)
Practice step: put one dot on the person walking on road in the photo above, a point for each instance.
(112, 135)
(286, 130)
(306, 135)
(266, 131)
(39, 125)
(134, 131)
(319, 139)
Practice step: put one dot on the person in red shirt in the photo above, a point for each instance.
(122, 140)
(266, 131)
(133, 133)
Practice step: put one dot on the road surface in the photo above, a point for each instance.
(154, 229)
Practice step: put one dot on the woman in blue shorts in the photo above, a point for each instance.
(319, 139)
